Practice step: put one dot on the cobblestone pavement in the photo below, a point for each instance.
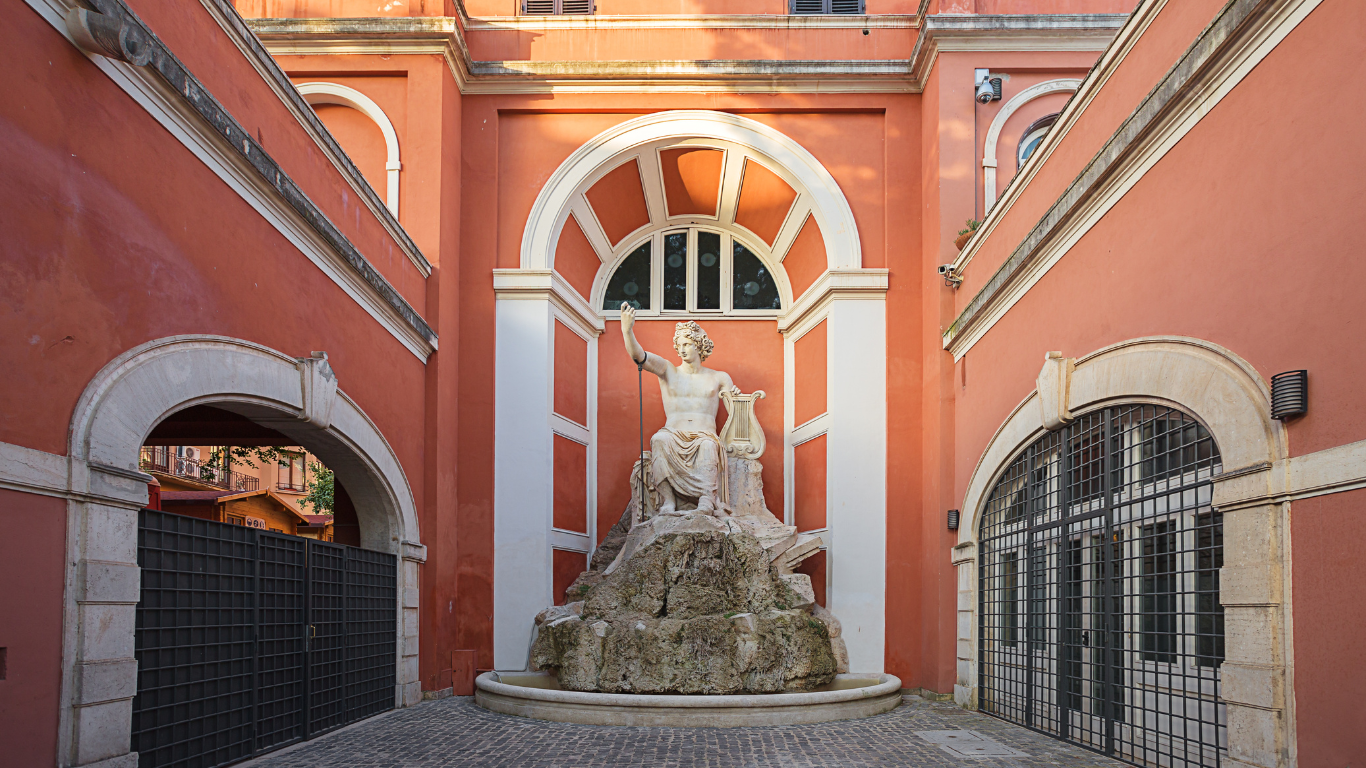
(456, 732)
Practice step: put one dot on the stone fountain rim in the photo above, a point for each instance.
(887, 685)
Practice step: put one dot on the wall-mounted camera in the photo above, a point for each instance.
(988, 86)
(950, 274)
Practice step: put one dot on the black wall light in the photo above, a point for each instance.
(1289, 394)
(953, 519)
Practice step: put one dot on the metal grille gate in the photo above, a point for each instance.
(1099, 561)
(248, 640)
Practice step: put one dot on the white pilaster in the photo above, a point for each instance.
(856, 475)
(523, 491)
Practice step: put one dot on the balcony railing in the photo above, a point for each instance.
(161, 458)
(285, 485)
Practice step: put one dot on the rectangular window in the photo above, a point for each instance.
(812, 7)
(291, 473)
(1038, 597)
(557, 7)
(1159, 592)
(1209, 558)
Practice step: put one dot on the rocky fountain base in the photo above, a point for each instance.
(693, 620)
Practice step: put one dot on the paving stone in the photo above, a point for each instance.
(457, 733)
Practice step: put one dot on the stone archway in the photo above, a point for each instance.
(1230, 398)
(119, 408)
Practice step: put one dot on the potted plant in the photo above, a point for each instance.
(964, 235)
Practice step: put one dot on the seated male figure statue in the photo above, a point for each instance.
(687, 458)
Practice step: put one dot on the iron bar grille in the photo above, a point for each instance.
(194, 641)
(248, 640)
(1098, 570)
(371, 632)
(280, 639)
(327, 636)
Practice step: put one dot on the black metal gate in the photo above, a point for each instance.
(1099, 561)
(247, 640)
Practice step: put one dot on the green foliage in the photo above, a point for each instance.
(250, 456)
(320, 490)
(973, 224)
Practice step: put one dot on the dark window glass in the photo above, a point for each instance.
(1159, 592)
(631, 282)
(1075, 636)
(1169, 447)
(754, 286)
(1038, 597)
(708, 270)
(676, 270)
(1209, 558)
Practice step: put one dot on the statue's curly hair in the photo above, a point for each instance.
(692, 330)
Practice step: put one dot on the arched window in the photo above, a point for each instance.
(1033, 137)
(694, 270)
(1098, 569)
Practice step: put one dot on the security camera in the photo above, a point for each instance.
(985, 93)
(945, 269)
(950, 274)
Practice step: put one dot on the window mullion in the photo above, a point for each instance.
(691, 264)
(727, 275)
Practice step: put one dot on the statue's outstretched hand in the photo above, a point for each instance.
(734, 390)
(628, 317)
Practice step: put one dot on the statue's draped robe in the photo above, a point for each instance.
(692, 462)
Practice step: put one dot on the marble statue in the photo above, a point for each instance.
(694, 600)
(687, 458)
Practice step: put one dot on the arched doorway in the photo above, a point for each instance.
(1099, 613)
(297, 399)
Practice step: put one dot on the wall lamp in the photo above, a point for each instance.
(953, 519)
(1289, 394)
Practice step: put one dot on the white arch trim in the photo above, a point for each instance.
(828, 203)
(1228, 395)
(105, 488)
(335, 93)
(1064, 85)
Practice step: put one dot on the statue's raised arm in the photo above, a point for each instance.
(687, 460)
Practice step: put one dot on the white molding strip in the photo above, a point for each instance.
(236, 167)
(813, 305)
(1213, 66)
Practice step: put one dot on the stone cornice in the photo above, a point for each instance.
(1014, 32)
(831, 286)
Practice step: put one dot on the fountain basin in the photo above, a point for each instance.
(537, 695)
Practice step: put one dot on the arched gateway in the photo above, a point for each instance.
(298, 398)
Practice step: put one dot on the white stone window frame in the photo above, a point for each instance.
(998, 124)
(104, 489)
(1230, 398)
(316, 93)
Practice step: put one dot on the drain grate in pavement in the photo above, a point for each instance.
(968, 744)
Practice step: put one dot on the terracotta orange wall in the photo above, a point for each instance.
(1161, 45)
(806, 260)
(692, 179)
(814, 567)
(681, 7)
(809, 371)
(618, 201)
(571, 375)
(1222, 276)
(344, 8)
(511, 146)
(751, 351)
(571, 485)
(32, 560)
(565, 567)
(200, 44)
(809, 484)
(575, 259)
(1330, 620)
